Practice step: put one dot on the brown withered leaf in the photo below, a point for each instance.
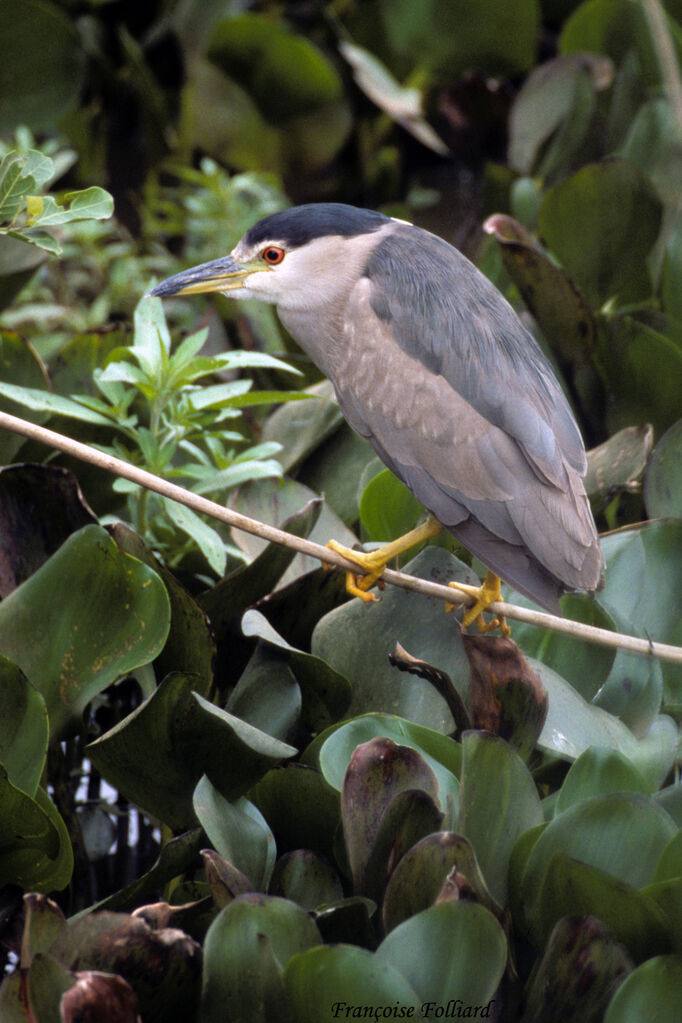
(439, 679)
(506, 696)
(99, 996)
(456, 888)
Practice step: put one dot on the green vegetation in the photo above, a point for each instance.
(226, 793)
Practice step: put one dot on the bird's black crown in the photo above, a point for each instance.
(301, 224)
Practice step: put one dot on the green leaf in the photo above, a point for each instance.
(596, 772)
(419, 624)
(45, 401)
(35, 851)
(82, 646)
(300, 808)
(207, 539)
(247, 946)
(267, 694)
(23, 728)
(387, 508)
(306, 878)
(39, 44)
(421, 949)
(601, 223)
(328, 979)
(573, 725)
(190, 737)
(237, 831)
(301, 427)
(498, 802)
(88, 204)
(663, 478)
(655, 985)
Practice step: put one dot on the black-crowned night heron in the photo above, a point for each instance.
(432, 365)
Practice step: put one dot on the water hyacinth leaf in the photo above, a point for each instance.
(326, 693)
(247, 946)
(601, 223)
(377, 772)
(82, 645)
(43, 921)
(620, 833)
(190, 737)
(569, 887)
(663, 479)
(345, 975)
(644, 368)
(300, 808)
(304, 877)
(267, 694)
(573, 725)
(421, 949)
(596, 772)
(273, 501)
(387, 508)
(333, 750)
(546, 101)
(669, 865)
(581, 967)
(410, 816)
(28, 539)
(618, 463)
(498, 802)
(31, 846)
(190, 646)
(238, 832)
(415, 621)
(23, 728)
(225, 881)
(584, 665)
(303, 426)
(420, 875)
(46, 982)
(667, 895)
(561, 310)
(656, 983)
(334, 468)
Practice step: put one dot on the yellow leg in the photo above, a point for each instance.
(373, 563)
(486, 594)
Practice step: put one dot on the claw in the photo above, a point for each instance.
(488, 593)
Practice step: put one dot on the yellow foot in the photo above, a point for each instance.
(486, 594)
(373, 563)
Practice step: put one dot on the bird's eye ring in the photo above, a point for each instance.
(273, 255)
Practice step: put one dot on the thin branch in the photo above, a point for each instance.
(632, 644)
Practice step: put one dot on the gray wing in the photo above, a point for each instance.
(474, 475)
(446, 314)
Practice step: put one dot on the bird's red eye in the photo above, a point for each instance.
(273, 255)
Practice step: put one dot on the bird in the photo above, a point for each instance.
(432, 365)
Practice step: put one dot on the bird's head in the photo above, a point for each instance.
(289, 258)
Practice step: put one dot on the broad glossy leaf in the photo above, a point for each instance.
(190, 737)
(304, 877)
(326, 693)
(300, 807)
(344, 975)
(267, 694)
(611, 27)
(387, 508)
(32, 853)
(498, 802)
(40, 507)
(238, 832)
(581, 967)
(334, 468)
(303, 426)
(619, 462)
(275, 501)
(573, 725)
(419, 624)
(655, 984)
(247, 947)
(18, 264)
(596, 772)
(455, 951)
(420, 875)
(663, 478)
(48, 981)
(23, 728)
(83, 644)
(601, 224)
(377, 773)
(334, 749)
